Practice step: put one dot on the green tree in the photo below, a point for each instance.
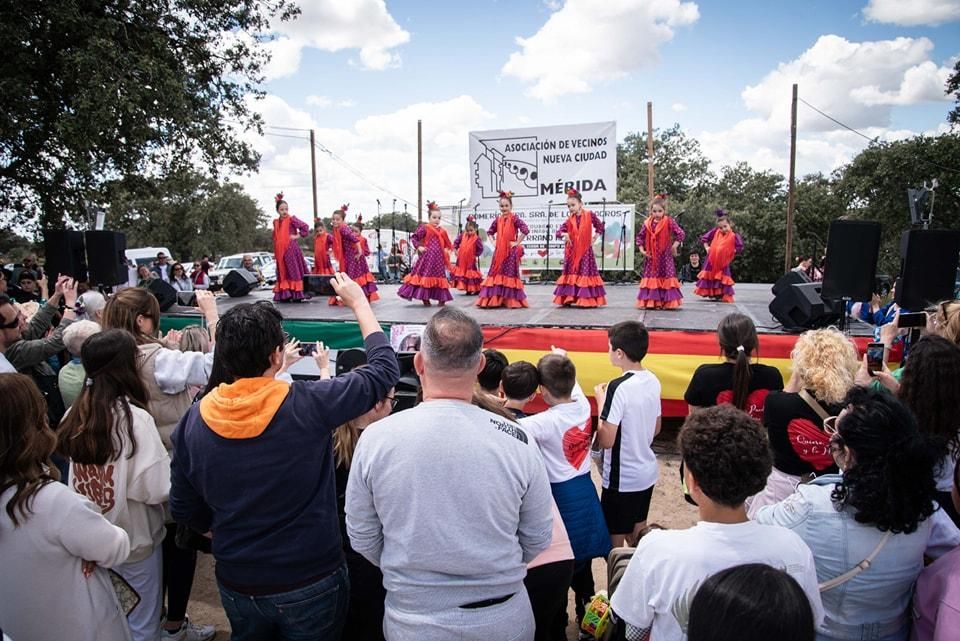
(953, 89)
(874, 186)
(102, 90)
(680, 166)
(189, 213)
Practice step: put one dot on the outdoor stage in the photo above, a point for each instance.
(680, 340)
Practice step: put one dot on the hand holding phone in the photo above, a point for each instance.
(875, 358)
(308, 349)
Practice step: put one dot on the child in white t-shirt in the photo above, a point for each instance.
(727, 459)
(629, 420)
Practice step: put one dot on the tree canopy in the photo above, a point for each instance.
(93, 91)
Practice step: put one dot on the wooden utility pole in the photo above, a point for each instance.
(313, 172)
(792, 189)
(419, 171)
(649, 151)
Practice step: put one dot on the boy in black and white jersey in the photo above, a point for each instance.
(628, 422)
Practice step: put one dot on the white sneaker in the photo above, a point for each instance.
(190, 632)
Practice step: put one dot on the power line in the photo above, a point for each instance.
(875, 139)
(356, 172)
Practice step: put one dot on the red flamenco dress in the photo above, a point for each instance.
(502, 287)
(716, 280)
(466, 274)
(291, 266)
(659, 287)
(348, 249)
(580, 285)
(321, 254)
(428, 278)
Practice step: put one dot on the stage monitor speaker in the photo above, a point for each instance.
(165, 294)
(790, 278)
(853, 247)
(65, 254)
(106, 257)
(800, 306)
(407, 389)
(239, 282)
(928, 272)
(348, 359)
(187, 299)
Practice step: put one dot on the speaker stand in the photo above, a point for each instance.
(843, 325)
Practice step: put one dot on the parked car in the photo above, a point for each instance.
(263, 260)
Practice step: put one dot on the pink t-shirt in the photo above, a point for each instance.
(936, 604)
(559, 549)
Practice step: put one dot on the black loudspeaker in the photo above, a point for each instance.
(853, 247)
(928, 268)
(106, 257)
(187, 299)
(164, 292)
(790, 278)
(65, 254)
(239, 282)
(348, 359)
(800, 306)
(407, 390)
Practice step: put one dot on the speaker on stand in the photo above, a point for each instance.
(106, 257)
(850, 272)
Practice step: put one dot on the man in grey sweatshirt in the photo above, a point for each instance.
(450, 501)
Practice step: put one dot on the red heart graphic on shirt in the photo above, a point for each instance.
(576, 444)
(756, 400)
(810, 443)
(542, 252)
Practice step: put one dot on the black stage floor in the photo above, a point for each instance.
(696, 314)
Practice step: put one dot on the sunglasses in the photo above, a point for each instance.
(393, 402)
(13, 323)
(830, 425)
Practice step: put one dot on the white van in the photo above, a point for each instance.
(146, 255)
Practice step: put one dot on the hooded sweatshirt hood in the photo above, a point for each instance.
(243, 409)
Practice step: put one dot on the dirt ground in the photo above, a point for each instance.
(667, 508)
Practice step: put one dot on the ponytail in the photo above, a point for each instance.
(741, 378)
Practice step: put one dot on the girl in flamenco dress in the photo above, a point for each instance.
(502, 287)
(347, 245)
(659, 240)
(715, 281)
(321, 250)
(291, 267)
(469, 246)
(428, 279)
(580, 285)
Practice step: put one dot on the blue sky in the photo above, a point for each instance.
(361, 72)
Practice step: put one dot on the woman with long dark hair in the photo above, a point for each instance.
(737, 380)
(930, 387)
(53, 542)
(118, 461)
(168, 375)
(879, 514)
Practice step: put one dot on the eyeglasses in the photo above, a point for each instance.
(393, 401)
(830, 425)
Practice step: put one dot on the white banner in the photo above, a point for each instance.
(539, 164)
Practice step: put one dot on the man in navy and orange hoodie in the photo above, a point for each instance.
(253, 464)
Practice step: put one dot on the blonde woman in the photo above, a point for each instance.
(824, 364)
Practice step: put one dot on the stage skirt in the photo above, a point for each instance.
(582, 516)
(580, 291)
(467, 280)
(713, 283)
(502, 291)
(417, 287)
(659, 293)
(291, 288)
(366, 282)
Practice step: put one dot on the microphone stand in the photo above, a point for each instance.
(549, 207)
(623, 241)
(460, 216)
(409, 254)
(380, 267)
(603, 234)
(393, 241)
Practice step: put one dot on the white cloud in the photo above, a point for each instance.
(318, 101)
(332, 25)
(382, 147)
(593, 41)
(857, 83)
(911, 13)
(678, 107)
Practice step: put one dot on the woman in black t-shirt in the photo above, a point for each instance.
(824, 366)
(737, 380)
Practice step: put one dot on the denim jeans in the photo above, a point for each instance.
(312, 613)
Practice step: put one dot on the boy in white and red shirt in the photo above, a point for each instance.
(564, 432)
